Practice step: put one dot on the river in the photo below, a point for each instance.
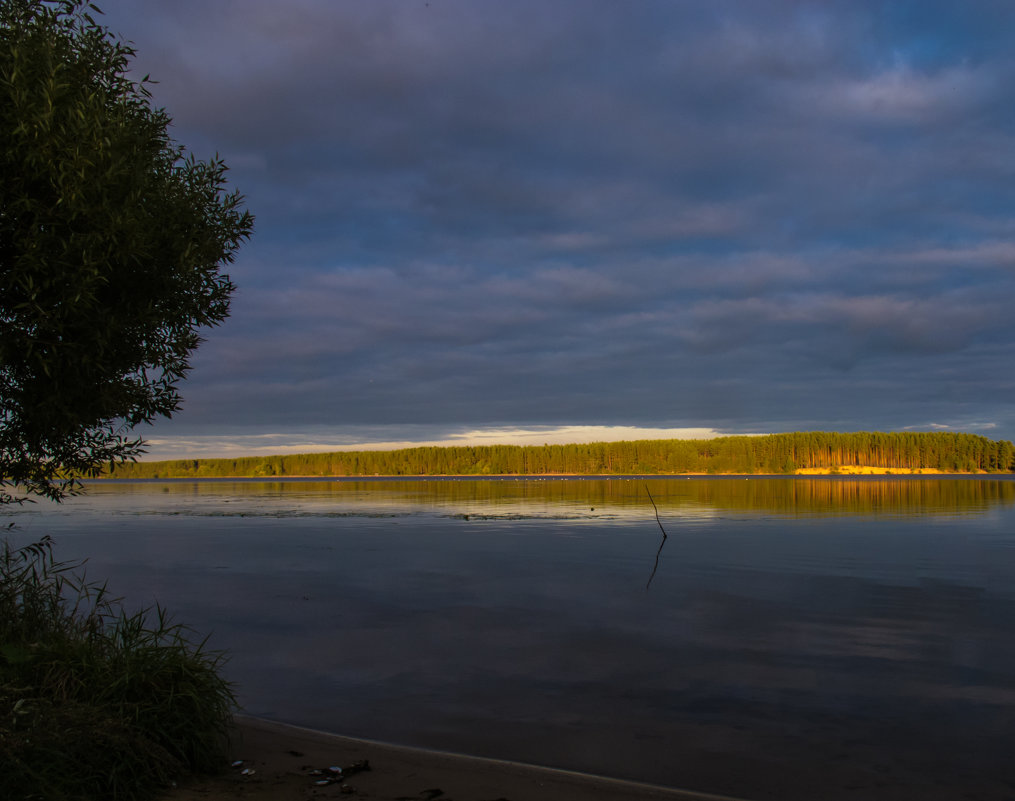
(797, 638)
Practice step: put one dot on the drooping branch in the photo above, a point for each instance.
(662, 542)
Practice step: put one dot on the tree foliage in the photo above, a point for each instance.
(112, 241)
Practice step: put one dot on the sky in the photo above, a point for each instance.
(575, 220)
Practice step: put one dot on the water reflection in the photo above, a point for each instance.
(674, 497)
(803, 638)
(662, 542)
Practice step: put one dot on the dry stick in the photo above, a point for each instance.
(661, 544)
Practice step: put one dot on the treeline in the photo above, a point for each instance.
(769, 454)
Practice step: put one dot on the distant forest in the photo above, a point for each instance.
(769, 454)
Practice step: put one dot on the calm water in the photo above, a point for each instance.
(801, 638)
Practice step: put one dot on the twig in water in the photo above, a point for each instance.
(661, 544)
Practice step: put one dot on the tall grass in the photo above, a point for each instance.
(96, 702)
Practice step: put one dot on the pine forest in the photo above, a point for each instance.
(815, 451)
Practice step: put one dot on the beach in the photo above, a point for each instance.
(277, 762)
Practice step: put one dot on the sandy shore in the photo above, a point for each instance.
(279, 761)
(859, 470)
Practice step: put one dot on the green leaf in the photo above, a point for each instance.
(15, 654)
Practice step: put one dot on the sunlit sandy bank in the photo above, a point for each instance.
(858, 470)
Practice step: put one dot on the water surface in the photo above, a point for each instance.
(801, 638)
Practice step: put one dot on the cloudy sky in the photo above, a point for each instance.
(486, 220)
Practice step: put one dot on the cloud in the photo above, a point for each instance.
(225, 446)
(736, 216)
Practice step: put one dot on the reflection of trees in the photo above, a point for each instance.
(855, 496)
(791, 496)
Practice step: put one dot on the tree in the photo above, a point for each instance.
(112, 244)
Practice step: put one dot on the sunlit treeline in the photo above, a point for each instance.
(770, 454)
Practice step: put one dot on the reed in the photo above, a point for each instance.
(95, 701)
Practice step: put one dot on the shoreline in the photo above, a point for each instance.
(280, 758)
(845, 471)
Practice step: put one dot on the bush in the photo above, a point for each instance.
(96, 702)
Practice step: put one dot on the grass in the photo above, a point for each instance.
(96, 702)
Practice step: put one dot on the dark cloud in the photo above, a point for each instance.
(742, 215)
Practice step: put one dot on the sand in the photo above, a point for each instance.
(860, 470)
(280, 760)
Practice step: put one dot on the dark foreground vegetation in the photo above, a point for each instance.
(773, 453)
(113, 241)
(98, 703)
